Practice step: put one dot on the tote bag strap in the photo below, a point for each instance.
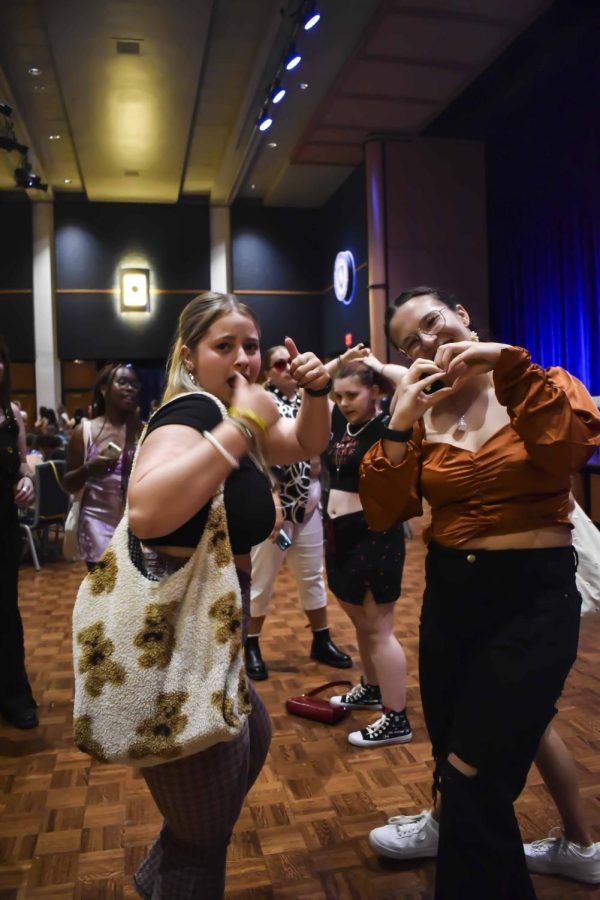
(324, 687)
(134, 542)
(200, 393)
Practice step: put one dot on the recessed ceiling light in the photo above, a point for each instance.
(33, 70)
(54, 137)
(68, 181)
(39, 88)
(252, 187)
(272, 144)
(303, 85)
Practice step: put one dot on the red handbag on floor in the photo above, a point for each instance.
(310, 706)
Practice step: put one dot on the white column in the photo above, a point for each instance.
(220, 249)
(47, 366)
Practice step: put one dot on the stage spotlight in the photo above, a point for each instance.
(292, 58)
(24, 178)
(278, 92)
(265, 121)
(311, 17)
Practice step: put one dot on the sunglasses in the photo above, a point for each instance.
(280, 365)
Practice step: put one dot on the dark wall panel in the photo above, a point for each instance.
(16, 274)
(16, 325)
(344, 219)
(276, 249)
(95, 240)
(90, 326)
(92, 239)
(280, 250)
(284, 316)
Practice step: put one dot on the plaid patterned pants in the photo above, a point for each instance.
(201, 797)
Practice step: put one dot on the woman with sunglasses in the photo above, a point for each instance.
(101, 463)
(490, 440)
(296, 501)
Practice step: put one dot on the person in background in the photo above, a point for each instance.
(490, 440)
(65, 423)
(364, 568)
(297, 500)
(78, 415)
(189, 452)
(103, 467)
(17, 704)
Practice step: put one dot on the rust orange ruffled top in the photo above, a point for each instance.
(518, 480)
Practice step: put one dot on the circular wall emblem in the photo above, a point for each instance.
(344, 277)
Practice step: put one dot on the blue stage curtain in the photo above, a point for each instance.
(544, 229)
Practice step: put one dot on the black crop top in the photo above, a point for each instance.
(345, 451)
(248, 499)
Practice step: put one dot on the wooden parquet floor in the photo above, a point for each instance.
(70, 828)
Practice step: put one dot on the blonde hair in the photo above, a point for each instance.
(194, 321)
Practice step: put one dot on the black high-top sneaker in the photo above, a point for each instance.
(325, 651)
(361, 696)
(391, 728)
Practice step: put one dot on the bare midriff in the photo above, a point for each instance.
(343, 503)
(242, 560)
(537, 538)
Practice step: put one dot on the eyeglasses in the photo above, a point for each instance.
(280, 365)
(432, 323)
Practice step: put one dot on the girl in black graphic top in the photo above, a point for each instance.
(364, 568)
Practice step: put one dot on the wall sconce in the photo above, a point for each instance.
(135, 290)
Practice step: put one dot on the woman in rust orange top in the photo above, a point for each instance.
(490, 440)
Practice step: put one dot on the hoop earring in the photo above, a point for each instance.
(192, 376)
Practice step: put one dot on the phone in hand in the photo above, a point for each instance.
(435, 386)
(112, 450)
(283, 541)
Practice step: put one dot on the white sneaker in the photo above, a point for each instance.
(555, 855)
(407, 837)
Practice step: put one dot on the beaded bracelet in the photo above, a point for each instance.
(320, 392)
(249, 414)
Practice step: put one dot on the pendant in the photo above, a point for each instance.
(461, 425)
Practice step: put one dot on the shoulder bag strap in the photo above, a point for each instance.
(324, 687)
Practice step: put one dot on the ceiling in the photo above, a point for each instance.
(178, 114)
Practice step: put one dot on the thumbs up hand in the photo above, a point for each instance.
(306, 369)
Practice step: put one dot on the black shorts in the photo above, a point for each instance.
(360, 560)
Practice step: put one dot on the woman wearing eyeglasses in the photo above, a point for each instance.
(99, 460)
(296, 501)
(490, 440)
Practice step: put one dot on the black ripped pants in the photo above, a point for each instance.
(498, 636)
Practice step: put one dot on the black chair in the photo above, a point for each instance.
(49, 511)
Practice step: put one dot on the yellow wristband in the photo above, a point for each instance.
(250, 415)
